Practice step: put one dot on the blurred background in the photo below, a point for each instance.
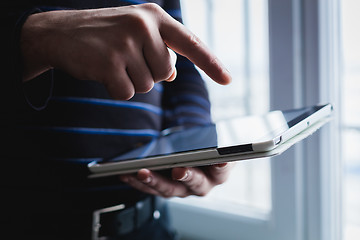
(306, 52)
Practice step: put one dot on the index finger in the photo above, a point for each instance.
(181, 40)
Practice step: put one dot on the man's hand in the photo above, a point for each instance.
(184, 181)
(125, 48)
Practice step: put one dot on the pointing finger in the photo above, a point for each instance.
(180, 39)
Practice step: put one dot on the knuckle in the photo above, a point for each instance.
(215, 63)
(152, 7)
(169, 192)
(145, 87)
(197, 187)
(127, 93)
(155, 184)
(164, 72)
(195, 41)
(139, 22)
(156, 12)
(198, 184)
(125, 47)
(119, 90)
(136, 22)
(122, 94)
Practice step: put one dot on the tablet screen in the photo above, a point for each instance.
(233, 132)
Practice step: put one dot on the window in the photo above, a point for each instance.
(245, 54)
(283, 54)
(351, 118)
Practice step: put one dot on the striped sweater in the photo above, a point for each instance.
(55, 124)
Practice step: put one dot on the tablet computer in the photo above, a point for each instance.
(228, 140)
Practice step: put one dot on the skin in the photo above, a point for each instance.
(184, 181)
(127, 50)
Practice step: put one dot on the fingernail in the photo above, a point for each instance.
(173, 56)
(221, 165)
(173, 76)
(147, 180)
(186, 176)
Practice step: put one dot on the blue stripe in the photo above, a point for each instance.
(189, 110)
(192, 120)
(194, 98)
(112, 103)
(104, 131)
(175, 13)
(134, 1)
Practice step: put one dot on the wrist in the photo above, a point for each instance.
(34, 46)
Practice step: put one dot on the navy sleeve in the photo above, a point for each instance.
(185, 100)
